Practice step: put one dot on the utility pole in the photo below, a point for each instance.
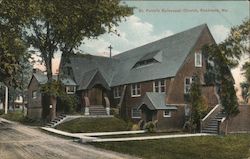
(6, 100)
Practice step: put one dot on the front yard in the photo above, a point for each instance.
(18, 116)
(87, 125)
(206, 147)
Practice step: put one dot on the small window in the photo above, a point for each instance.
(136, 113)
(159, 86)
(166, 113)
(135, 90)
(34, 94)
(117, 92)
(198, 59)
(187, 84)
(70, 89)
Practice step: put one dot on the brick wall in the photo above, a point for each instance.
(175, 122)
(34, 104)
(241, 122)
(130, 102)
(188, 69)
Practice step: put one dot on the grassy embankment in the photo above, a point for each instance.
(81, 125)
(206, 147)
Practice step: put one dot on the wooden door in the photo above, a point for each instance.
(95, 96)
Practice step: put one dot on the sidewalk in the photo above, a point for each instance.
(88, 137)
(150, 137)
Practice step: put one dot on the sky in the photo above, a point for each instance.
(153, 20)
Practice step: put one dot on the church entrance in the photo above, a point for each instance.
(96, 95)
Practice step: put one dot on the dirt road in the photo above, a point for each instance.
(23, 142)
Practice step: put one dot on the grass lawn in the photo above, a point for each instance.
(94, 125)
(17, 116)
(205, 147)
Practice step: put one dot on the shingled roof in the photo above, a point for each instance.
(168, 54)
(155, 101)
(174, 51)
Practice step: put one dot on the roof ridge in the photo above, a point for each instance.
(156, 41)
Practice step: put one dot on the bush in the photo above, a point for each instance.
(68, 103)
(135, 127)
(150, 127)
(115, 112)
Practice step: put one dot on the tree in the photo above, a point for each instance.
(220, 75)
(62, 25)
(13, 16)
(198, 103)
(223, 57)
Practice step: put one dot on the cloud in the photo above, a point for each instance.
(133, 32)
(219, 32)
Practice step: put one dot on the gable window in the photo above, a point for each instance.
(159, 86)
(166, 113)
(135, 90)
(198, 59)
(135, 113)
(70, 89)
(187, 84)
(34, 94)
(117, 92)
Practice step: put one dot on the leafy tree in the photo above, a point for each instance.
(198, 103)
(223, 57)
(13, 16)
(62, 25)
(220, 75)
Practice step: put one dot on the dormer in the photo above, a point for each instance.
(149, 59)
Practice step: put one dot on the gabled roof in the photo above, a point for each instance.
(168, 54)
(91, 78)
(42, 79)
(68, 81)
(155, 101)
(174, 50)
(86, 65)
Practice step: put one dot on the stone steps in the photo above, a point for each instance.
(56, 120)
(212, 126)
(97, 110)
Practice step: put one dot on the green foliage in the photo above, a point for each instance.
(198, 103)
(68, 103)
(62, 25)
(150, 127)
(54, 88)
(223, 79)
(13, 16)
(246, 68)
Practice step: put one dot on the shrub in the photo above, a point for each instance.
(68, 103)
(150, 127)
(135, 127)
(115, 112)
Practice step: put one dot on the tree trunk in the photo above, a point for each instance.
(53, 102)
(50, 80)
